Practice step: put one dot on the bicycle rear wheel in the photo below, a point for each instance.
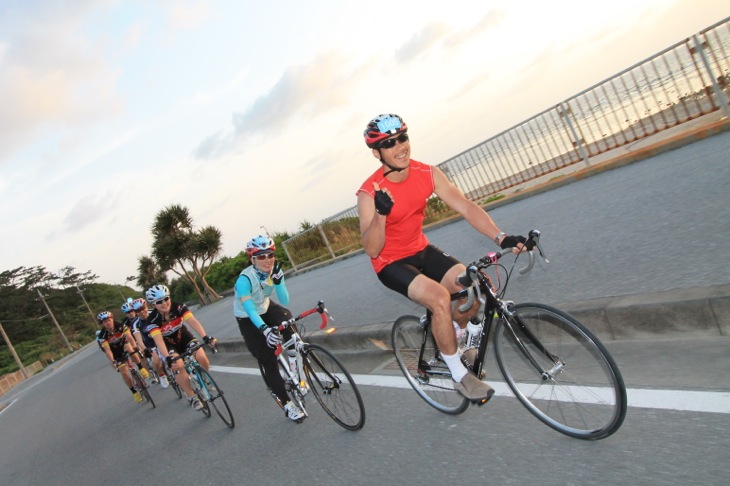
(420, 361)
(560, 371)
(333, 387)
(216, 398)
(141, 386)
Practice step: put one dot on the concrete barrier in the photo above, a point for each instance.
(696, 312)
(11, 379)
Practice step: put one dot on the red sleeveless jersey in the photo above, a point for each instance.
(404, 225)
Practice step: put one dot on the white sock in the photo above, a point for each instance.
(457, 368)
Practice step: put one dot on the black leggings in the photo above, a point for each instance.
(256, 344)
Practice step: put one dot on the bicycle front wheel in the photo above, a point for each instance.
(420, 361)
(173, 383)
(333, 387)
(199, 391)
(216, 398)
(560, 371)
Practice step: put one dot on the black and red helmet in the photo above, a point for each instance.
(382, 127)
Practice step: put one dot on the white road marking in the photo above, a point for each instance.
(683, 400)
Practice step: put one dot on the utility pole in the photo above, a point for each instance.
(58, 326)
(91, 313)
(12, 351)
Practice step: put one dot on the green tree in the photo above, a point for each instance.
(177, 246)
(149, 273)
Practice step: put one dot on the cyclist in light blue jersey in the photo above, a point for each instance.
(257, 315)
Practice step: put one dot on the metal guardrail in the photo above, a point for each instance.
(683, 82)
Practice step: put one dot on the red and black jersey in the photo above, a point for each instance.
(173, 329)
(115, 338)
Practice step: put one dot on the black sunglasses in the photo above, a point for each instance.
(390, 142)
(162, 301)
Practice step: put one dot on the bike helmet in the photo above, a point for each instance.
(260, 244)
(127, 306)
(138, 304)
(156, 292)
(382, 127)
(104, 315)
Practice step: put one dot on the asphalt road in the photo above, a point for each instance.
(78, 425)
(655, 225)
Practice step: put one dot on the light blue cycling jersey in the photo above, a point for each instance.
(250, 283)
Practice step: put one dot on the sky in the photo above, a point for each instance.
(250, 114)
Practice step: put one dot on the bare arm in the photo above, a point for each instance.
(372, 225)
(160, 342)
(455, 199)
(196, 325)
(108, 352)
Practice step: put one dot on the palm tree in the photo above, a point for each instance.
(178, 247)
(149, 273)
(208, 246)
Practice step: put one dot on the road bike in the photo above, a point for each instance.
(139, 383)
(555, 366)
(169, 374)
(204, 386)
(323, 375)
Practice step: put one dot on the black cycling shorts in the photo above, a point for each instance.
(431, 262)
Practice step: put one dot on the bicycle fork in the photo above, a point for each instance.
(196, 381)
(513, 323)
(294, 384)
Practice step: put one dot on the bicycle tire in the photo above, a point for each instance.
(195, 382)
(583, 395)
(173, 383)
(141, 386)
(428, 375)
(215, 394)
(333, 387)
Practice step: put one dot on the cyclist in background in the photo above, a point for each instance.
(391, 204)
(116, 340)
(140, 333)
(171, 319)
(257, 314)
(135, 354)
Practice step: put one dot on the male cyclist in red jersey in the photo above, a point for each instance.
(391, 204)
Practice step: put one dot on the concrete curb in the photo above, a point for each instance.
(672, 314)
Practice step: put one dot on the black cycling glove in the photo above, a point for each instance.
(511, 241)
(277, 274)
(383, 203)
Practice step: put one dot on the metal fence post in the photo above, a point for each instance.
(721, 97)
(288, 255)
(578, 142)
(326, 241)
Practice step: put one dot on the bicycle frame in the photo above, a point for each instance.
(296, 343)
(494, 306)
